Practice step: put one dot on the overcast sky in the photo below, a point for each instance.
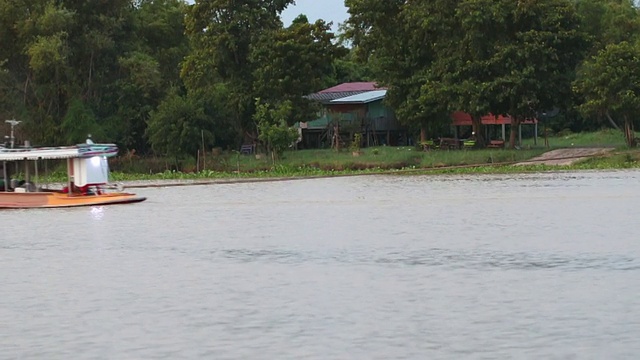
(328, 10)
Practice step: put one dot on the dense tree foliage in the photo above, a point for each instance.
(167, 75)
(75, 66)
(610, 82)
(398, 40)
(242, 49)
(477, 56)
(293, 62)
(123, 70)
(273, 129)
(180, 126)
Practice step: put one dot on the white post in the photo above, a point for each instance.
(69, 177)
(27, 175)
(37, 178)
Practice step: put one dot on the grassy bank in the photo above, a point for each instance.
(313, 163)
(566, 139)
(617, 160)
(308, 163)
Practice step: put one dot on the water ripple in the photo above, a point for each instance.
(477, 260)
(531, 266)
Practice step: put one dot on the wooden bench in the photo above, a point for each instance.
(450, 143)
(429, 145)
(496, 144)
(247, 149)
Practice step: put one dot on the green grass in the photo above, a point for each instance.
(384, 159)
(603, 138)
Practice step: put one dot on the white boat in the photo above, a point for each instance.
(87, 177)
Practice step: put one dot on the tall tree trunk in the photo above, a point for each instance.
(423, 134)
(513, 131)
(478, 129)
(629, 133)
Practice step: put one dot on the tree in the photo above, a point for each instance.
(398, 40)
(160, 28)
(477, 56)
(273, 129)
(222, 34)
(519, 58)
(610, 82)
(147, 69)
(80, 122)
(608, 21)
(293, 62)
(349, 69)
(42, 69)
(243, 48)
(137, 91)
(117, 59)
(179, 127)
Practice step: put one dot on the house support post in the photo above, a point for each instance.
(36, 173)
(26, 174)
(69, 177)
(5, 175)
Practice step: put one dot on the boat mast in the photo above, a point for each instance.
(12, 141)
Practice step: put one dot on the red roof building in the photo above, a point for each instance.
(460, 118)
(353, 87)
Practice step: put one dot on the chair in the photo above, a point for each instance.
(247, 149)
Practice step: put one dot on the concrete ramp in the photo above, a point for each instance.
(564, 157)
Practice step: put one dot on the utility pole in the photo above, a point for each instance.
(13, 124)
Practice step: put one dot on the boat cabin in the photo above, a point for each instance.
(87, 166)
(87, 177)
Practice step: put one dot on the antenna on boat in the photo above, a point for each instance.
(13, 124)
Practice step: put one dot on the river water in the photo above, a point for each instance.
(375, 267)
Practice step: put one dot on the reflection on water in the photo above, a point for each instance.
(97, 212)
(497, 266)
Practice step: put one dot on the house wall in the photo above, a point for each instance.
(375, 115)
(376, 120)
(381, 117)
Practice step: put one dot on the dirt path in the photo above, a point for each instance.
(566, 156)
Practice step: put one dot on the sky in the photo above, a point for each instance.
(328, 10)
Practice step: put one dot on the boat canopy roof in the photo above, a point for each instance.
(62, 152)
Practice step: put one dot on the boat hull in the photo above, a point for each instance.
(13, 200)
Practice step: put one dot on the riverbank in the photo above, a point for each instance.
(603, 150)
(597, 150)
(574, 160)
